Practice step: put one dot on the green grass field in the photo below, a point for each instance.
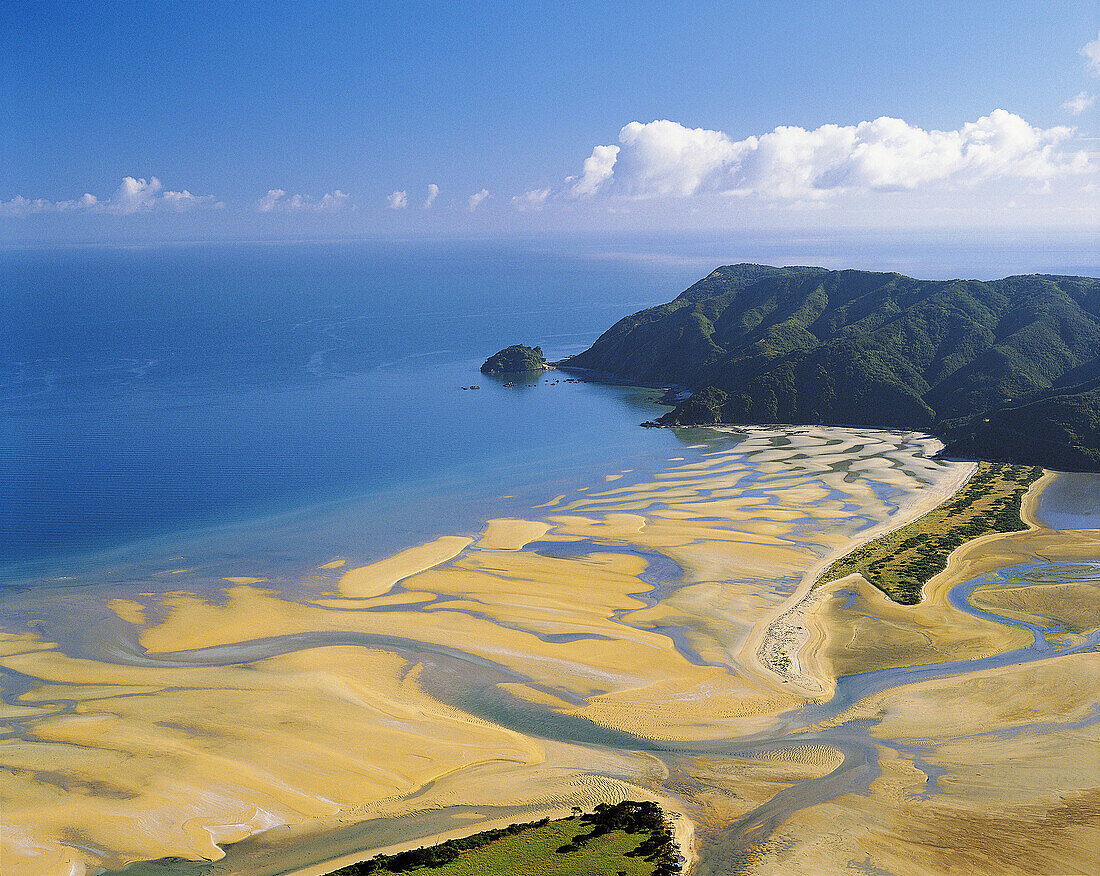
(626, 839)
(902, 562)
(534, 853)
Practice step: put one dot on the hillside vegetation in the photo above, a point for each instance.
(515, 359)
(902, 562)
(1006, 370)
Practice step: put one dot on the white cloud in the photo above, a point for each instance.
(277, 201)
(270, 201)
(1091, 51)
(433, 193)
(475, 199)
(20, 206)
(398, 200)
(333, 202)
(535, 199)
(664, 158)
(180, 201)
(132, 196)
(84, 202)
(140, 196)
(597, 170)
(1079, 103)
(135, 195)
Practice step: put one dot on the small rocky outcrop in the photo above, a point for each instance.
(516, 359)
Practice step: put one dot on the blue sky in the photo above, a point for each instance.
(299, 119)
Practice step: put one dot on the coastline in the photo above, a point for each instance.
(572, 655)
(788, 641)
(949, 634)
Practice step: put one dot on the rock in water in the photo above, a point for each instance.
(515, 360)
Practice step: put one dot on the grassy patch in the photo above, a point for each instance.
(900, 563)
(627, 839)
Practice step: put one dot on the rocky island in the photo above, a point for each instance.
(516, 359)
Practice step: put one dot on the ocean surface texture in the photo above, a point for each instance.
(179, 403)
(296, 400)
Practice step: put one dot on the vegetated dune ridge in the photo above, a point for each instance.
(606, 648)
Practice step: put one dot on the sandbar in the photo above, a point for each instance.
(616, 648)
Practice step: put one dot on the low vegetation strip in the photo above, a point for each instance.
(902, 562)
(625, 839)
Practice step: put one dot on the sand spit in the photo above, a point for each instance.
(612, 646)
(788, 644)
(601, 791)
(856, 628)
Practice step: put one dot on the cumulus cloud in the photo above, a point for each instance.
(535, 199)
(475, 199)
(135, 195)
(595, 173)
(277, 201)
(398, 200)
(1079, 103)
(132, 196)
(84, 202)
(20, 206)
(334, 201)
(184, 200)
(433, 193)
(1091, 51)
(664, 158)
(271, 200)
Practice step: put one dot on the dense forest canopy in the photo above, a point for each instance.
(1004, 370)
(515, 359)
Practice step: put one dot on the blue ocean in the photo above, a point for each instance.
(280, 404)
(259, 408)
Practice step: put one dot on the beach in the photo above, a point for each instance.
(422, 420)
(651, 635)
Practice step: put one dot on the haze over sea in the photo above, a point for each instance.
(263, 407)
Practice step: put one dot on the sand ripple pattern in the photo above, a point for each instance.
(648, 636)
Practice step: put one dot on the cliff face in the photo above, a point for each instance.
(968, 359)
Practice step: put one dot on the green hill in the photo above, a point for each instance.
(516, 359)
(1006, 370)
